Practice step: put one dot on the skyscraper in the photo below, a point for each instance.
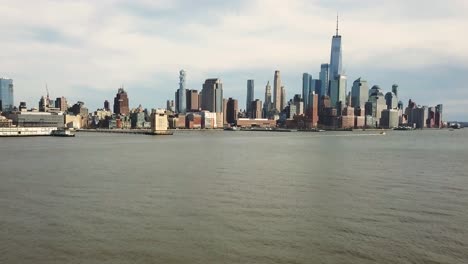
(277, 102)
(106, 105)
(121, 102)
(335, 57)
(231, 111)
(306, 89)
(6, 94)
(61, 104)
(284, 100)
(359, 93)
(324, 79)
(267, 105)
(338, 90)
(212, 98)
(192, 100)
(256, 109)
(250, 96)
(181, 100)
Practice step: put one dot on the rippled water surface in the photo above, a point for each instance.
(236, 197)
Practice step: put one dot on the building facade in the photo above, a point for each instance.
(121, 102)
(277, 102)
(250, 95)
(212, 96)
(181, 93)
(6, 94)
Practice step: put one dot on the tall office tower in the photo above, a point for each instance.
(335, 57)
(256, 109)
(324, 79)
(284, 100)
(306, 88)
(438, 116)
(359, 93)
(376, 102)
(181, 100)
(313, 111)
(391, 100)
(267, 105)
(395, 89)
(250, 95)
(43, 104)
(212, 99)
(6, 94)
(106, 105)
(61, 104)
(170, 105)
(232, 109)
(277, 92)
(338, 90)
(121, 102)
(192, 101)
(315, 86)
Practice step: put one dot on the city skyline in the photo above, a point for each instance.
(396, 56)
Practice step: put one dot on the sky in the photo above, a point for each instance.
(86, 50)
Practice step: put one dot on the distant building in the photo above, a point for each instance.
(181, 93)
(121, 103)
(324, 79)
(208, 120)
(81, 110)
(306, 88)
(312, 112)
(159, 121)
(338, 90)
(6, 95)
(391, 100)
(376, 103)
(61, 104)
(359, 93)
(106, 105)
(250, 95)
(256, 109)
(232, 110)
(283, 98)
(37, 119)
(389, 118)
(336, 56)
(267, 104)
(277, 92)
(170, 106)
(212, 96)
(192, 101)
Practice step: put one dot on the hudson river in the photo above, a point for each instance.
(236, 197)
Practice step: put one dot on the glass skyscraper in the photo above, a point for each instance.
(6, 94)
(306, 88)
(250, 95)
(335, 57)
(181, 100)
(324, 80)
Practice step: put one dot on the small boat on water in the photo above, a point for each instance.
(234, 128)
(383, 133)
(62, 133)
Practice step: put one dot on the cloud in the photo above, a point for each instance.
(78, 47)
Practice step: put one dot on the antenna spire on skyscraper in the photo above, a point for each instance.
(336, 24)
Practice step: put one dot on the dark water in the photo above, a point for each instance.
(235, 197)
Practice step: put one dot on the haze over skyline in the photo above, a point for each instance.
(85, 50)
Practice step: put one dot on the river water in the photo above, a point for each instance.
(236, 197)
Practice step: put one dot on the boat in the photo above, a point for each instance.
(62, 133)
(383, 133)
(403, 128)
(234, 128)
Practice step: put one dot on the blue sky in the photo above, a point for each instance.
(85, 50)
